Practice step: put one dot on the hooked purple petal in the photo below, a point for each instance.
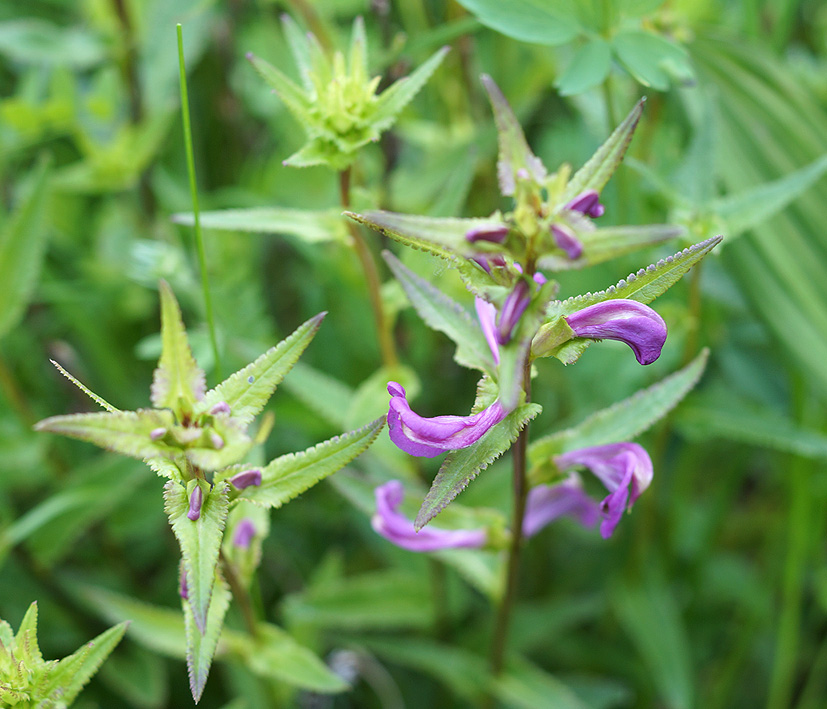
(566, 239)
(628, 321)
(545, 503)
(196, 500)
(624, 468)
(487, 315)
(493, 233)
(428, 437)
(222, 407)
(246, 479)
(397, 528)
(513, 308)
(489, 261)
(587, 203)
(244, 533)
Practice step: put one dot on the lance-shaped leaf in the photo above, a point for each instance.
(300, 49)
(610, 243)
(399, 94)
(69, 676)
(297, 102)
(622, 421)
(125, 432)
(312, 226)
(248, 390)
(462, 466)
(446, 315)
(202, 644)
(292, 474)
(596, 172)
(25, 646)
(514, 155)
(200, 541)
(177, 378)
(97, 399)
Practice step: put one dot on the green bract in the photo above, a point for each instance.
(337, 104)
(28, 681)
(199, 439)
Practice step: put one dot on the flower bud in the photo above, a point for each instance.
(196, 500)
(246, 478)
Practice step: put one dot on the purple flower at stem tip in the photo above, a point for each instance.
(624, 468)
(587, 203)
(397, 528)
(428, 437)
(566, 239)
(493, 233)
(513, 308)
(196, 500)
(222, 407)
(246, 479)
(244, 533)
(628, 321)
(545, 503)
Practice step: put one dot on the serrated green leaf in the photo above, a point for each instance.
(514, 153)
(297, 102)
(588, 68)
(22, 246)
(70, 675)
(462, 466)
(200, 541)
(299, 48)
(624, 420)
(596, 172)
(323, 151)
(202, 643)
(248, 390)
(648, 283)
(533, 21)
(177, 378)
(744, 210)
(290, 475)
(25, 646)
(276, 655)
(312, 226)
(608, 243)
(446, 315)
(401, 92)
(99, 400)
(125, 432)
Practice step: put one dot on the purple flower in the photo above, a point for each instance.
(244, 533)
(624, 468)
(428, 437)
(489, 261)
(513, 308)
(546, 503)
(157, 433)
(566, 239)
(222, 407)
(494, 234)
(631, 322)
(246, 478)
(487, 315)
(196, 500)
(397, 528)
(587, 203)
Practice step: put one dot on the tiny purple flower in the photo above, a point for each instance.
(546, 503)
(489, 261)
(244, 533)
(196, 500)
(513, 308)
(587, 203)
(624, 468)
(397, 528)
(494, 234)
(222, 407)
(157, 433)
(428, 437)
(246, 479)
(566, 239)
(487, 315)
(631, 322)
(216, 440)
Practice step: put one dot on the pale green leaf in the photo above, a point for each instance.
(311, 226)
(535, 21)
(25, 646)
(99, 400)
(446, 315)
(177, 378)
(596, 172)
(321, 151)
(358, 54)
(22, 246)
(624, 420)
(248, 390)
(292, 474)
(327, 396)
(200, 541)
(125, 432)
(294, 98)
(299, 48)
(400, 93)
(514, 153)
(202, 644)
(525, 686)
(588, 68)
(650, 58)
(462, 466)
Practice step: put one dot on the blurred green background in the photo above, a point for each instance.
(712, 594)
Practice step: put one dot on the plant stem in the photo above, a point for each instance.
(199, 239)
(240, 594)
(520, 484)
(371, 271)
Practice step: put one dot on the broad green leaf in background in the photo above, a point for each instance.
(528, 20)
(651, 59)
(325, 395)
(370, 400)
(588, 68)
(525, 686)
(36, 41)
(462, 466)
(311, 226)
